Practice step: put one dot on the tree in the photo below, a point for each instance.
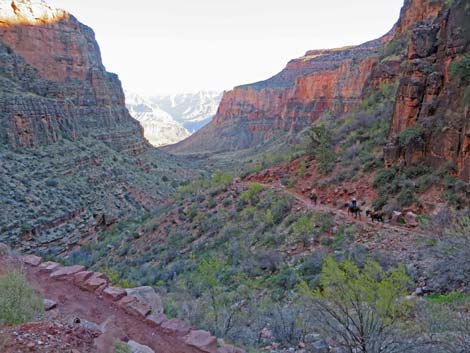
(218, 306)
(362, 308)
(321, 147)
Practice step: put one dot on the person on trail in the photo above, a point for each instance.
(313, 197)
(354, 203)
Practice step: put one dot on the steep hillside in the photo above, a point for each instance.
(73, 160)
(429, 37)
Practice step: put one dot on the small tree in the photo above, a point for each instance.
(321, 147)
(361, 308)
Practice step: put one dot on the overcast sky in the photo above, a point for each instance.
(176, 46)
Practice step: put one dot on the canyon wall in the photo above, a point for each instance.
(73, 162)
(430, 102)
(429, 36)
(53, 82)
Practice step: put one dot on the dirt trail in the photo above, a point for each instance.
(344, 217)
(74, 302)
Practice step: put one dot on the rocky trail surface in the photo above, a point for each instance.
(86, 314)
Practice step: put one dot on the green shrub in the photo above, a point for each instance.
(326, 241)
(324, 221)
(121, 347)
(406, 197)
(384, 177)
(19, 302)
(461, 69)
(411, 136)
(252, 194)
(222, 179)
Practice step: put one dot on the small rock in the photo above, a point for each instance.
(411, 219)
(175, 327)
(49, 304)
(139, 348)
(66, 272)
(81, 277)
(32, 260)
(148, 296)
(419, 292)
(202, 340)
(49, 266)
(95, 282)
(114, 293)
(156, 319)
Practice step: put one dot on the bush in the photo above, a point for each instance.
(121, 347)
(19, 302)
(252, 194)
(384, 177)
(461, 69)
(411, 136)
(406, 197)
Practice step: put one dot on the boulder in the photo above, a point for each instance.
(138, 309)
(156, 319)
(66, 272)
(148, 296)
(81, 277)
(123, 302)
(175, 327)
(114, 293)
(134, 307)
(411, 219)
(95, 283)
(49, 304)
(396, 217)
(49, 266)
(202, 340)
(139, 348)
(32, 260)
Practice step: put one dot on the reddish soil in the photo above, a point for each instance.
(73, 303)
(333, 195)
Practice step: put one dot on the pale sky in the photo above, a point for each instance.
(177, 46)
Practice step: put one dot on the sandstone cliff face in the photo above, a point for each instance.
(429, 102)
(60, 86)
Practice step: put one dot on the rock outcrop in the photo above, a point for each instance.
(431, 119)
(428, 37)
(53, 84)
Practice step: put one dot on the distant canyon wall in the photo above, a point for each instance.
(53, 83)
(337, 80)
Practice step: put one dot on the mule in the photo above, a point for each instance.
(354, 210)
(376, 216)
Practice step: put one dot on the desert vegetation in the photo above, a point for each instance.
(19, 302)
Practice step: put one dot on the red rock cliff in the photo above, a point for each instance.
(433, 35)
(429, 103)
(321, 80)
(59, 86)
